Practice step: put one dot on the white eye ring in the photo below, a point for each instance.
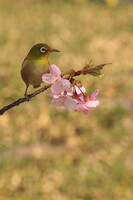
(42, 49)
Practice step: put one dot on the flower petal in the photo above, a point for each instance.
(80, 90)
(82, 108)
(55, 96)
(48, 78)
(92, 103)
(56, 88)
(58, 102)
(54, 70)
(66, 84)
(70, 104)
(95, 93)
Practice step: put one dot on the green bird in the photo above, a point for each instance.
(35, 65)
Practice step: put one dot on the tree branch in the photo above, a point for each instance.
(22, 100)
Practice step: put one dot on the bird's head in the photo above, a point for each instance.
(41, 50)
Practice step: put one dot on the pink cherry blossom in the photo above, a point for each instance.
(78, 93)
(75, 101)
(68, 97)
(85, 106)
(94, 94)
(79, 90)
(57, 82)
(88, 102)
(64, 101)
(54, 70)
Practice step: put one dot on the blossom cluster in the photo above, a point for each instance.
(67, 95)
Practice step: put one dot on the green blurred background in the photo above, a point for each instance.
(50, 154)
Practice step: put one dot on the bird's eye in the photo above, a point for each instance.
(43, 50)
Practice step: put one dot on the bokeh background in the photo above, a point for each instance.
(46, 153)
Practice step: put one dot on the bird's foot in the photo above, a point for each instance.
(27, 97)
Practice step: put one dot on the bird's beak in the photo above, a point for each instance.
(54, 50)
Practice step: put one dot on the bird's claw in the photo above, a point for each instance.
(27, 97)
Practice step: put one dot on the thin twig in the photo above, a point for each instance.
(22, 100)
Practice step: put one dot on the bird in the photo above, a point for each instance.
(35, 65)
